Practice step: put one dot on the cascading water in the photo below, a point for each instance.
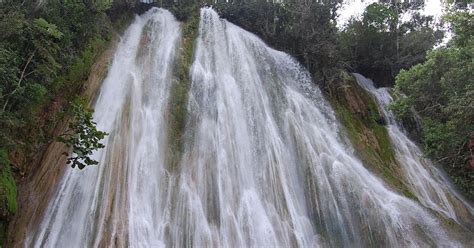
(424, 179)
(119, 201)
(263, 164)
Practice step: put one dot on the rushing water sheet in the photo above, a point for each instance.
(117, 203)
(263, 162)
(424, 179)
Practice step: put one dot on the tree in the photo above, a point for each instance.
(441, 90)
(381, 43)
(43, 47)
(82, 137)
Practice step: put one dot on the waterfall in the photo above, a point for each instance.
(263, 164)
(424, 179)
(120, 201)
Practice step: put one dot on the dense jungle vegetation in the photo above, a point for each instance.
(48, 47)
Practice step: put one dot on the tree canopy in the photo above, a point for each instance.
(441, 91)
(382, 43)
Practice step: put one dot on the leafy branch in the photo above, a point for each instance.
(82, 137)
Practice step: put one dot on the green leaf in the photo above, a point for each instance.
(48, 28)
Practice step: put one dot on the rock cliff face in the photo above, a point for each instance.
(35, 190)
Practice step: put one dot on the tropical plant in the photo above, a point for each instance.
(82, 137)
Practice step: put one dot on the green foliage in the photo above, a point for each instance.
(45, 59)
(7, 185)
(47, 28)
(441, 92)
(462, 24)
(9, 69)
(44, 55)
(29, 52)
(436, 135)
(380, 17)
(82, 137)
(8, 191)
(80, 67)
(381, 43)
(101, 5)
(401, 107)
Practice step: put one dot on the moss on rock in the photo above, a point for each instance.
(179, 89)
(359, 114)
(8, 202)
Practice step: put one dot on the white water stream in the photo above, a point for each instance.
(424, 179)
(263, 162)
(119, 202)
